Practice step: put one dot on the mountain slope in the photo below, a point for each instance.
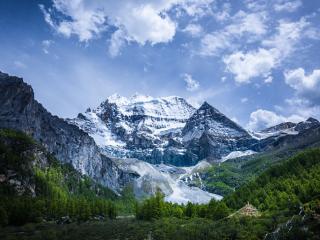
(297, 136)
(294, 181)
(35, 186)
(19, 110)
(229, 175)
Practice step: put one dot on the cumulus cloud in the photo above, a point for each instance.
(260, 62)
(304, 104)
(303, 107)
(289, 6)
(252, 64)
(84, 22)
(306, 86)
(141, 21)
(191, 84)
(287, 36)
(243, 24)
(261, 119)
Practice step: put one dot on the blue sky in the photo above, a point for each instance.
(256, 61)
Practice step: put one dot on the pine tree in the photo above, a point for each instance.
(3, 216)
(189, 212)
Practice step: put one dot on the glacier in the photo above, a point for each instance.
(166, 178)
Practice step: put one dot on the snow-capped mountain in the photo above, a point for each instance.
(209, 133)
(168, 137)
(161, 130)
(286, 134)
(286, 128)
(140, 127)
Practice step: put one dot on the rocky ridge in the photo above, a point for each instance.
(19, 110)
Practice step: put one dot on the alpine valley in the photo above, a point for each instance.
(130, 155)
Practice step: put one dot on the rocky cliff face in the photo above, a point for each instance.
(19, 110)
(19, 155)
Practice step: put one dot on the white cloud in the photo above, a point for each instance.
(191, 84)
(224, 13)
(116, 42)
(47, 15)
(287, 36)
(298, 79)
(212, 44)
(195, 8)
(289, 6)
(248, 65)
(146, 24)
(194, 30)
(303, 107)
(250, 25)
(46, 45)
(260, 62)
(142, 21)
(268, 79)
(261, 119)
(84, 22)
(243, 22)
(305, 103)
(307, 86)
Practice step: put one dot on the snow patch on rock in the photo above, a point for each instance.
(237, 154)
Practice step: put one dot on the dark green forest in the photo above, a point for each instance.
(50, 195)
(47, 189)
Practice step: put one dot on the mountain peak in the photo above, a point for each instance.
(205, 104)
(279, 127)
(312, 120)
(144, 105)
(211, 120)
(117, 99)
(208, 109)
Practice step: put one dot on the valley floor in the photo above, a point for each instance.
(167, 228)
(170, 228)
